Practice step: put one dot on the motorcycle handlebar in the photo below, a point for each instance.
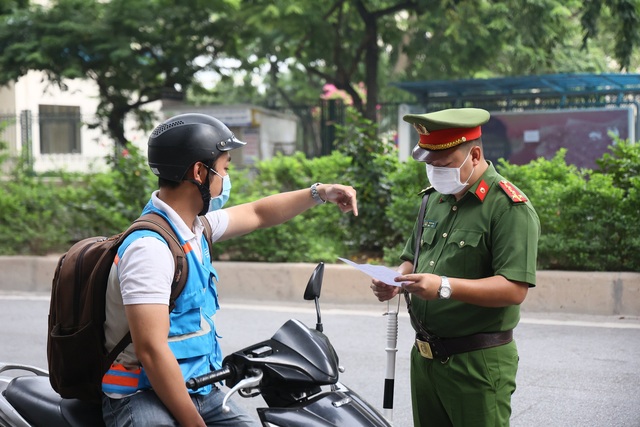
(210, 378)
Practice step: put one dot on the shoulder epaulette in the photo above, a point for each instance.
(512, 192)
(426, 190)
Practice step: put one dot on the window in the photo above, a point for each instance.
(59, 129)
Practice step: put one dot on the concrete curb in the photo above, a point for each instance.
(592, 293)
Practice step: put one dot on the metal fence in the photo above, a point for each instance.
(319, 123)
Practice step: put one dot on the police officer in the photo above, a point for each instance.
(190, 154)
(476, 261)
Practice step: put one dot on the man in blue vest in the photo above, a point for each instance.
(190, 154)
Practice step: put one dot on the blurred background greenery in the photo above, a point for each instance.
(282, 55)
(589, 218)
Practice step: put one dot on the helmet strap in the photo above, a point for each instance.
(205, 193)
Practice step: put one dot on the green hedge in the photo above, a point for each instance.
(320, 234)
(45, 214)
(589, 218)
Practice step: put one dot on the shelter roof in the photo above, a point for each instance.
(550, 85)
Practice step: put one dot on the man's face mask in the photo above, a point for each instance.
(210, 204)
(447, 180)
(219, 201)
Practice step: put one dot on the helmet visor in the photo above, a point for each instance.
(230, 143)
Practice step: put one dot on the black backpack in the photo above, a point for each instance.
(76, 354)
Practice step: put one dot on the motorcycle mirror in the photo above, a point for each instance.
(312, 292)
(315, 283)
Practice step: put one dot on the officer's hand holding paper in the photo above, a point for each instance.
(379, 272)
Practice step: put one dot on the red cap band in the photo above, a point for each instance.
(447, 138)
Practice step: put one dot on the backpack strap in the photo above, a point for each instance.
(167, 233)
(157, 223)
(208, 232)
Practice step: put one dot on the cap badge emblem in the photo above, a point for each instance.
(420, 129)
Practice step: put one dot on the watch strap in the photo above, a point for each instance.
(315, 195)
(444, 283)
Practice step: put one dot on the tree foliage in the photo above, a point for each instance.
(138, 51)
(621, 18)
(8, 6)
(134, 50)
(344, 42)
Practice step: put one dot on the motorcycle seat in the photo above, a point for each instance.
(40, 405)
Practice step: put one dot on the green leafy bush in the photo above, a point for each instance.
(401, 213)
(29, 223)
(41, 215)
(372, 160)
(112, 200)
(622, 163)
(589, 218)
(320, 234)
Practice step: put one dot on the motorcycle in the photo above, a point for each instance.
(295, 372)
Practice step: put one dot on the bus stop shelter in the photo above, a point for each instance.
(534, 116)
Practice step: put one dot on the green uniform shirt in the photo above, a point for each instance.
(492, 230)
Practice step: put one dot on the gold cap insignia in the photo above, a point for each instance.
(420, 129)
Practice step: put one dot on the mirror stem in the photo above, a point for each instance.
(319, 321)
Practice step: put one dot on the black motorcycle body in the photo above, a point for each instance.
(296, 372)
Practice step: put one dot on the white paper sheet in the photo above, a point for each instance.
(380, 272)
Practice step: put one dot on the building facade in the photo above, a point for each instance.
(54, 129)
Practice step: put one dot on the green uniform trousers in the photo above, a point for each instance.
(470, 389)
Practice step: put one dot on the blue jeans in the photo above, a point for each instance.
(146, 409)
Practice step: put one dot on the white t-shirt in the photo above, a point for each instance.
(145, 273)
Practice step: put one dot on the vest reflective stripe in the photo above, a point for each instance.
(121, 380)
(187, 248)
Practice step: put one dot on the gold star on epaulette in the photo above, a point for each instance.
(514, 194)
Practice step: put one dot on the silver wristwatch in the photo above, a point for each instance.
(315, 195)
(445, 288)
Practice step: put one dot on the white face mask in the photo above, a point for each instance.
(447, 180)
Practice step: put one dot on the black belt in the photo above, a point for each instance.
(442, 348)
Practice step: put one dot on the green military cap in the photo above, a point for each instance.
(445, 129)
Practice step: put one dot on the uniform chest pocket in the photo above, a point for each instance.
(428, 235)
(465, 238)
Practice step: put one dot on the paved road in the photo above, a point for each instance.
(574, 371)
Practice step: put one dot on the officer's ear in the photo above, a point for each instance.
(476, 154)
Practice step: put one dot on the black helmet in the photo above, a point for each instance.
(182, 140)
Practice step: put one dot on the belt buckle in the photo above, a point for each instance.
(424, 348)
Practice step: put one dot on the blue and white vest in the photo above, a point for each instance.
(192, 334)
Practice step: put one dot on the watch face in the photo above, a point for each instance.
(445, 292)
